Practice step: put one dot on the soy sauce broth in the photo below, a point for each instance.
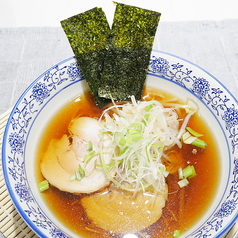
(184, 206)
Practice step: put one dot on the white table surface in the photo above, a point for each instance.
(31, 13)
(31, 39)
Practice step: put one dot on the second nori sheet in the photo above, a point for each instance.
(128, 52)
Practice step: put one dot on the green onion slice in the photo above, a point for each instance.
(79, 174)
(43, 185)
(194, 133)
(177, 233)
(180, 173)
(182, 183)
(199, 143)
(189, 139)
(189, 172)
(89, 156)
(90, 146)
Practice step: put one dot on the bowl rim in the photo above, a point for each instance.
(4, 142)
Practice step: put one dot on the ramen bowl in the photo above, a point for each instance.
(63, 82)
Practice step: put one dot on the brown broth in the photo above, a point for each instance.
(184, 206)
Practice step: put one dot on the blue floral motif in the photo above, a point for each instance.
(236, 166)
(226, 209)
(174, 72)
(201, 87)
(57, 233)
(56, 76)
(13, 173)
(230, 117)
(176, 66)
(47, 76)
(218, 225)
(217, 101)
(234, 188)
(40, 92)
(23, 192)
(38, 222)
(73, 71)
(16, 142)
(159, 65)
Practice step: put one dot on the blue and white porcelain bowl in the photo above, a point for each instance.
(50, 91)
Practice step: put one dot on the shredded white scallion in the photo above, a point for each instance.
(140, 133)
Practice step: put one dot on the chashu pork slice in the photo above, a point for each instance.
(64, 157)
(119, 212)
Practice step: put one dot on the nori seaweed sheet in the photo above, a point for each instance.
(87, 34)
(128, 52)
(114, 62)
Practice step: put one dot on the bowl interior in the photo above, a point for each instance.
(61, 84)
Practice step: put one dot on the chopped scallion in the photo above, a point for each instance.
(199, 143)
(177, 233)
(189, 139)
(182, 183)
(43, 185)
(137, 126)
(180, 173)
(81, 171)
(79, 174)
(189, 172)
(90, 146)
(136, 136)
(147, 116)
(194, 133)
(89, 156)
(133, 131)
(149, 107)
(123, 150)
(119, 139)
(165, 173)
